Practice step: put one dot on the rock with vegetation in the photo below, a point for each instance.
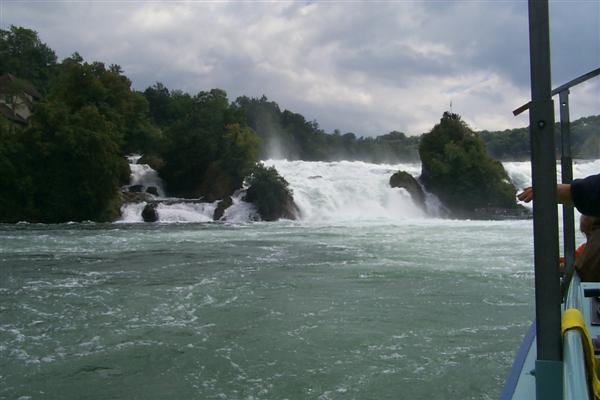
(403, 179)
(271, 195)
(457, 169)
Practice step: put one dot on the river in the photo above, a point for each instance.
(365, 297)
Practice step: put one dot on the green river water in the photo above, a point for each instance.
(420, 309)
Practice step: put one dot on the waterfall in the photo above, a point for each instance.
(331, 192)
(348, 190)
(143, 175)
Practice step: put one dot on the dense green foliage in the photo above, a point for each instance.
(16, 186)
(457, 168)
(208, 152)
(270, 193)
(513, 144)
(76, 165)
(285, 134)
(68, 163)
(24, 55)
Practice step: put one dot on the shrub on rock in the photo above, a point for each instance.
(457, 168)
(270, 193)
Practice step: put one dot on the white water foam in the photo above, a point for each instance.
(519, 172)
(348, 190)
(143, 174)
(342, 191)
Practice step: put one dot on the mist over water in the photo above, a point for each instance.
(347, 303)
(328, 192)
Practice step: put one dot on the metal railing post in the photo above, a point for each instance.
(566, 167)
(548, 367)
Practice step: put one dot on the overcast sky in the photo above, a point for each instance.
(363, 67)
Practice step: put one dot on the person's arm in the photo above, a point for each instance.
(584, 194)
(563, 194)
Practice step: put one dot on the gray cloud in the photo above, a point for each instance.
(366, 67)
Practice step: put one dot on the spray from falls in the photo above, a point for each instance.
(324, 192)
(330, 192)
(348, 190)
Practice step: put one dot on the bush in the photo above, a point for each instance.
(457, 168)
(270, 193)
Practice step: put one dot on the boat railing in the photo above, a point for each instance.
(559, 369)
(575, 382)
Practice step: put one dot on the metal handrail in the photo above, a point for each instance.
(561, 88)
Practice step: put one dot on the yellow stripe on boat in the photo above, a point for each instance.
(573, 319)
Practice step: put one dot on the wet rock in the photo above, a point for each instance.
(136, 188)
(221, 207)
(153, 190)
(149, 213)
(271, 195)
(154, 161)
(403, 179)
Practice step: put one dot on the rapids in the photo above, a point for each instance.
(366, 297)
(326, 192)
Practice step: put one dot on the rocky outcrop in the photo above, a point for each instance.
(221, 207)
(458, 170)
(153, 190)
(149, 213)
(270, 194)
(404, 180)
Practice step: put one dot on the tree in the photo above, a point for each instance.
(456, 167)
(208, 152)
(80, 84)
(76, 164)
(16, 186)
(24, 55)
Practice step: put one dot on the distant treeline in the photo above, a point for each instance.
(288, 134)
(285, 134)
(513, 144)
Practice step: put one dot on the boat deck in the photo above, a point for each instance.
(521, 382)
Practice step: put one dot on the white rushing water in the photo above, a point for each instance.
(143, 174)
(330, 192)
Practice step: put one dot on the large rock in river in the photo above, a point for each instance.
(149, 213)
(271, 195)
(221, 207)
(458, 170)
(403, 179)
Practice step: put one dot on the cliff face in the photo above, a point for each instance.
(457, 169)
